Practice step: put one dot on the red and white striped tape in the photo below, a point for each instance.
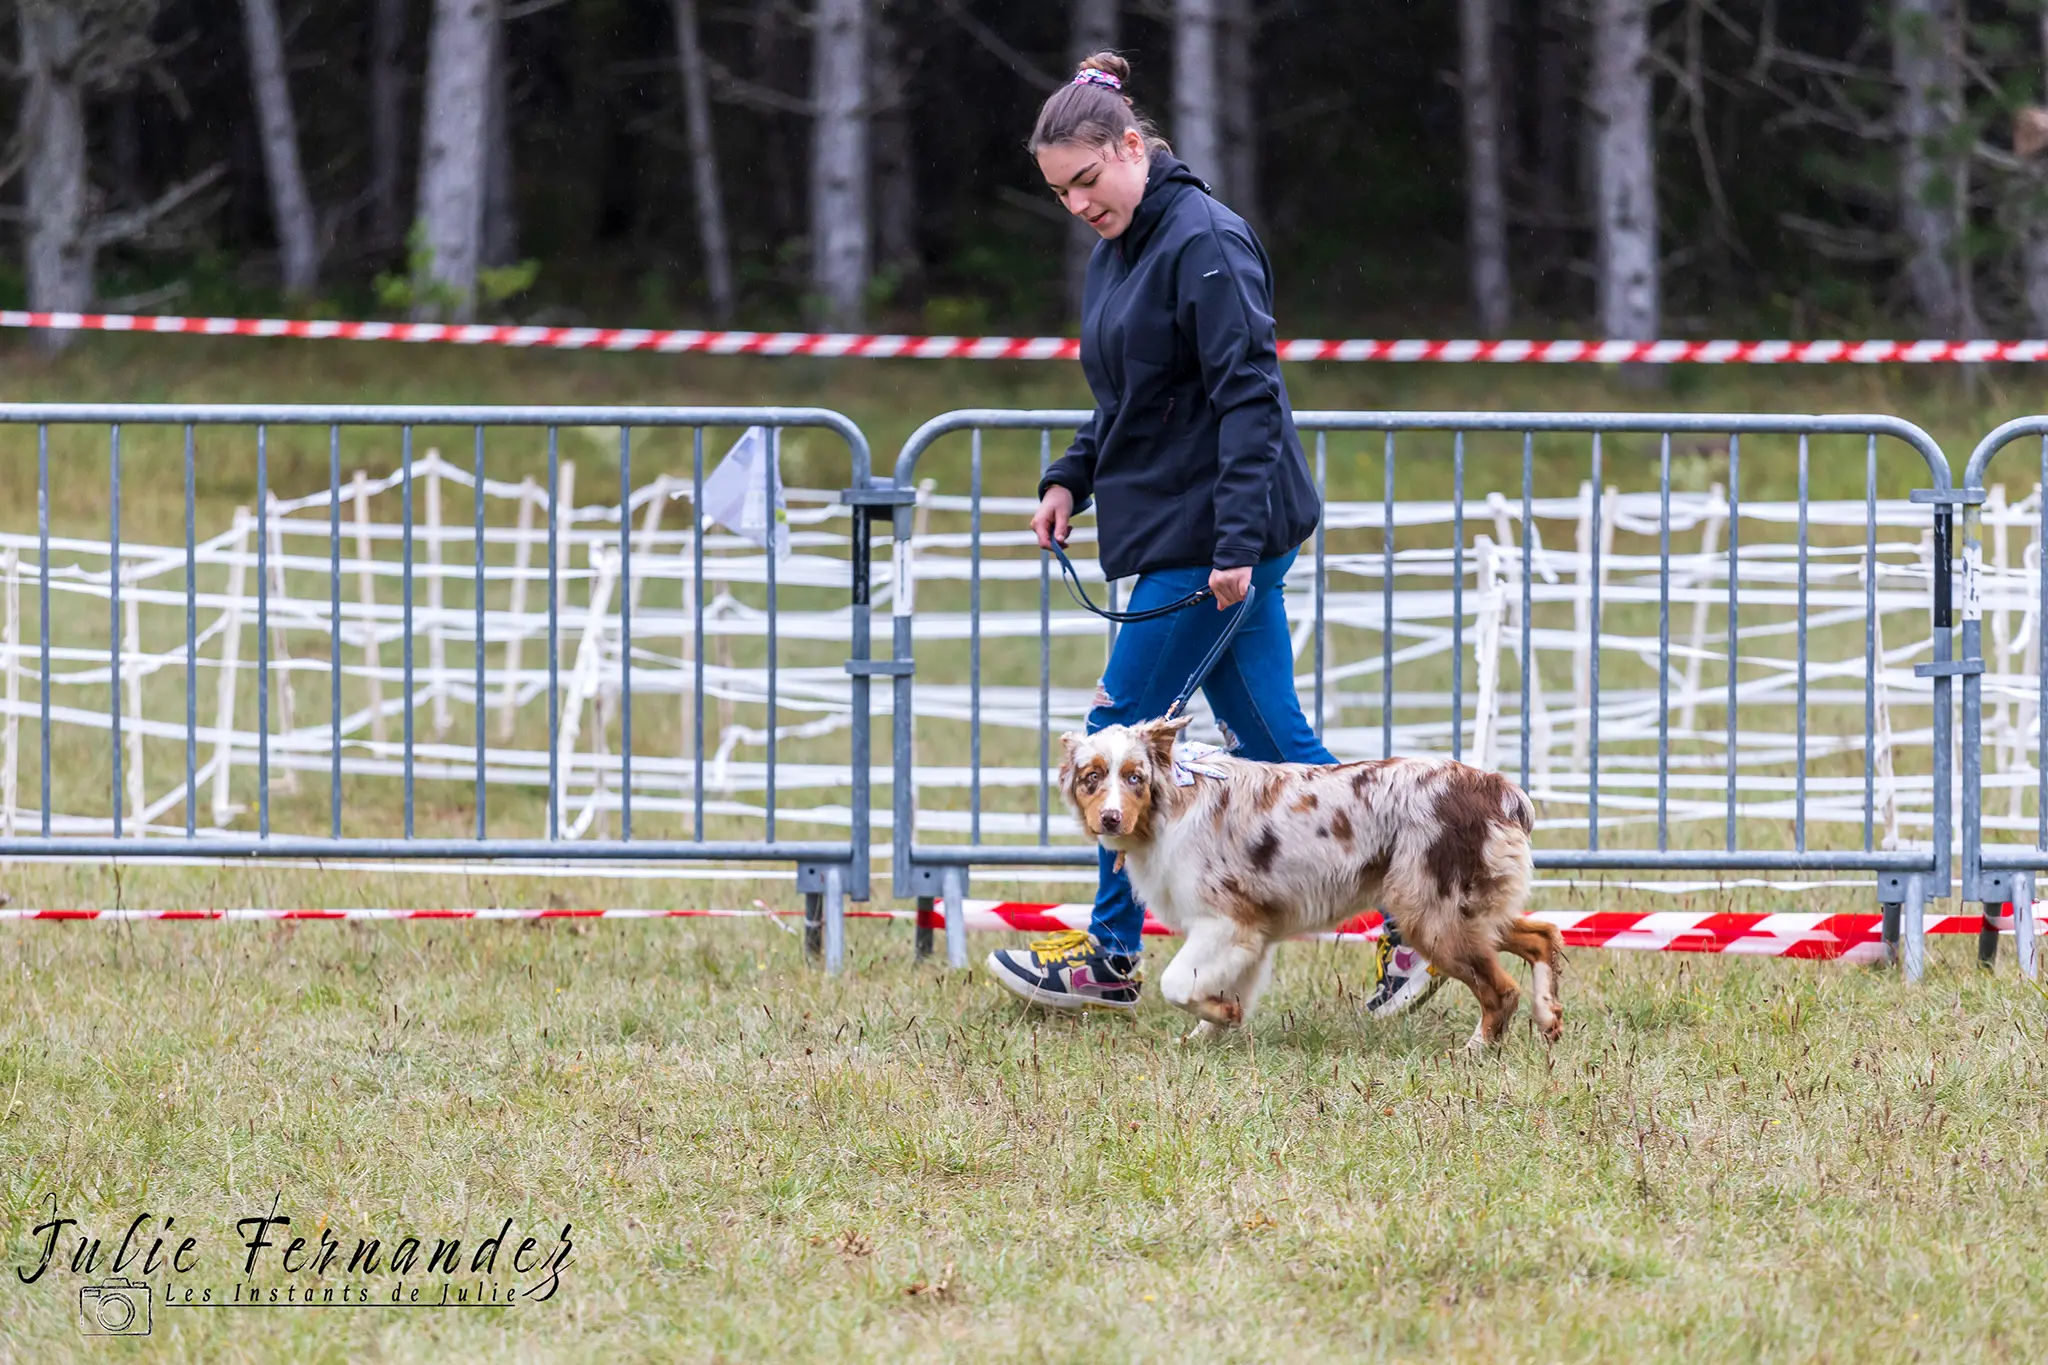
(875, 346)
(1854, 938)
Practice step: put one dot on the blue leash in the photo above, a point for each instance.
(1209, 661)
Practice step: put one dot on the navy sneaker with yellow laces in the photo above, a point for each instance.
(1402, 978)
(1069, 970)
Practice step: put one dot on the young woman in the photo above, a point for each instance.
(1197, 476)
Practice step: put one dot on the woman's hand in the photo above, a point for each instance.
(1229, 585)
(1052, 521)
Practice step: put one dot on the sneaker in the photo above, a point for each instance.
(1403, 979)
(1069, 971)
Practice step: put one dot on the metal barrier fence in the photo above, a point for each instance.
(1749, 703)
(635, 609)
(2004, 692)
(1796, 605)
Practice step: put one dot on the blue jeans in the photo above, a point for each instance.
(1251, 690)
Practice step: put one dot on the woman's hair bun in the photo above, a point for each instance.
(1109, 64)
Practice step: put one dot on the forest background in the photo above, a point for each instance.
(1535, 167)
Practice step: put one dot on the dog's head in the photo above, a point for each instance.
(1116, 778)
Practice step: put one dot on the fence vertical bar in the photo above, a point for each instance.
(1871, 663)
(974, 641)
(334, 698)
(1799, 715)
(1387, 606)
(1593, 663)
(192, 646)
(1458, 597)
(1664, 643)
(405, 595)
(1734, 610)
(1528, 562)
(2041, 679)
(41, 588)
(625, 633)
(769, 474)
(1044, 688)
(1322, 564)
(114, 601)
(555, 634)
(476, 662)
(697, 627)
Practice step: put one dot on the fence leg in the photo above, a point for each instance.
(835, 920)
(924, 928)
(1889, 930)
(953, 889)
(1987, 933)
(2023, 924)
(814, 925)
(1913, 929)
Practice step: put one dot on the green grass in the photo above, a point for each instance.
(1724, 1159)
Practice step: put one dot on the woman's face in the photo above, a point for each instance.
(1099, 185)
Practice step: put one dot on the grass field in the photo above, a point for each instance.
(1723, 1159)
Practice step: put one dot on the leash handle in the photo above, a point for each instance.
(1072, 577)
(1208, 664)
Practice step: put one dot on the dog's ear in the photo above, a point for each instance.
(1160, 735)
(1069, 742)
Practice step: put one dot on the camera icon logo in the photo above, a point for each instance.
(117, 1308)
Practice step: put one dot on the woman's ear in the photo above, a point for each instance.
(1133, 145)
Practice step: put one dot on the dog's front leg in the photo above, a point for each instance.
(1217, 975)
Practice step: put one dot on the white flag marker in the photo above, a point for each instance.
(736, 493)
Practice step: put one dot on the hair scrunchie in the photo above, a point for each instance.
(1102, 78)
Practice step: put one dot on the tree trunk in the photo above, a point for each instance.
(452, 159)
(60, 254)
(711, 233)
(291, 208)
(1197, 116)
(387, 120)
(1096, 25)
(1931, 173)
(1237, 32)
(1625, 177)
(1486, 225)
(2034, 254)
(840, 251)
(501, 201)
(895, 158)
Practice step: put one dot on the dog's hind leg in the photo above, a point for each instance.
(1539, 944)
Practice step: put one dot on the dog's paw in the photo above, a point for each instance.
(1202, 1030)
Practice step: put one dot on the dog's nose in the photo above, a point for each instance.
(1112, 821)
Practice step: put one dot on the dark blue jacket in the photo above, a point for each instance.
(1191, 457)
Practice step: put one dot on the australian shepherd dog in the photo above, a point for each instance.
(1235, 856)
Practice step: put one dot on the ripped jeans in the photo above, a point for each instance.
(1251, 691)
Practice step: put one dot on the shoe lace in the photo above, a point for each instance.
(1064, 946)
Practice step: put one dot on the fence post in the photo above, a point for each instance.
(2022, 893)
